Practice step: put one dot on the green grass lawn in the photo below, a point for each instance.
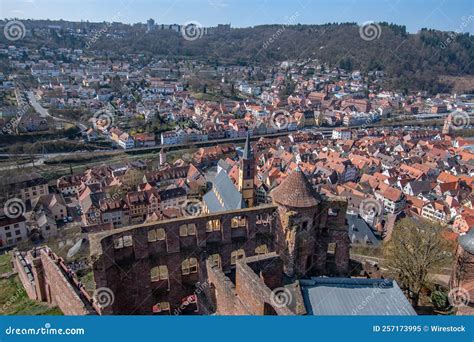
(13, 297)
(88, 281)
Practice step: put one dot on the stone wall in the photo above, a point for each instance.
(123, 259)
(462, 278)
(250, 295)
(23, 268)
(59, 290)
(44, 279)
(126, 270)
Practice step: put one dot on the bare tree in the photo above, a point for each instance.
(416, 249)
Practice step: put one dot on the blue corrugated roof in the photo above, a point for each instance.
(354, 296)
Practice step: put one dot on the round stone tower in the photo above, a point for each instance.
(298, 209)
(462, 279)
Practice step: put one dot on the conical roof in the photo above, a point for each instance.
(467, 241)
(296, 191)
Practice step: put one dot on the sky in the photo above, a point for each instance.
(447, 15)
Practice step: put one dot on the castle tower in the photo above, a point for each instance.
(247, 174)
(298, 209)
(462, 278)
(308, 225)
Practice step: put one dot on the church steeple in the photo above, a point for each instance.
(247, 150)
(247, 174)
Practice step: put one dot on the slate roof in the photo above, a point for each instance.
(231, 197)
(224, 165)
(419, 187)
(172, 193)
(360, 233)
(354, 296)
(247, 150)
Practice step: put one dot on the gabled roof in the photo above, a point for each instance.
(224, 195)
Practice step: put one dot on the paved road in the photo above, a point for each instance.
(43, 112)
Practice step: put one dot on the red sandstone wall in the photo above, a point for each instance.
(58, 289)
(225, 295)
(250, 296)
(27, 285)
(254, 293)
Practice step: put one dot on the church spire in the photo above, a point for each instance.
(247, 150)
(247, 174)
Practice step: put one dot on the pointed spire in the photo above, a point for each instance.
(247, 149)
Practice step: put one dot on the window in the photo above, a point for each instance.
(156, 235)
(238, 221)
(189, 266)
(263, 219)
(213, 225)
(262, 249)
(9, 234)
(215, 260)
(17, 232)
(236, 255)
(125, 241)
(331, 248)
(159, 273)
(162, 306)
(187, 229)
(160, 234)
(7, 228)
(16, 225)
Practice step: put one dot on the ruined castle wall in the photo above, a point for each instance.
(23, 268)
(250, 295)
(463, 274)
(251, 289)
(59, 290)
(224, 294)
(123, 259)
(43, 280)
